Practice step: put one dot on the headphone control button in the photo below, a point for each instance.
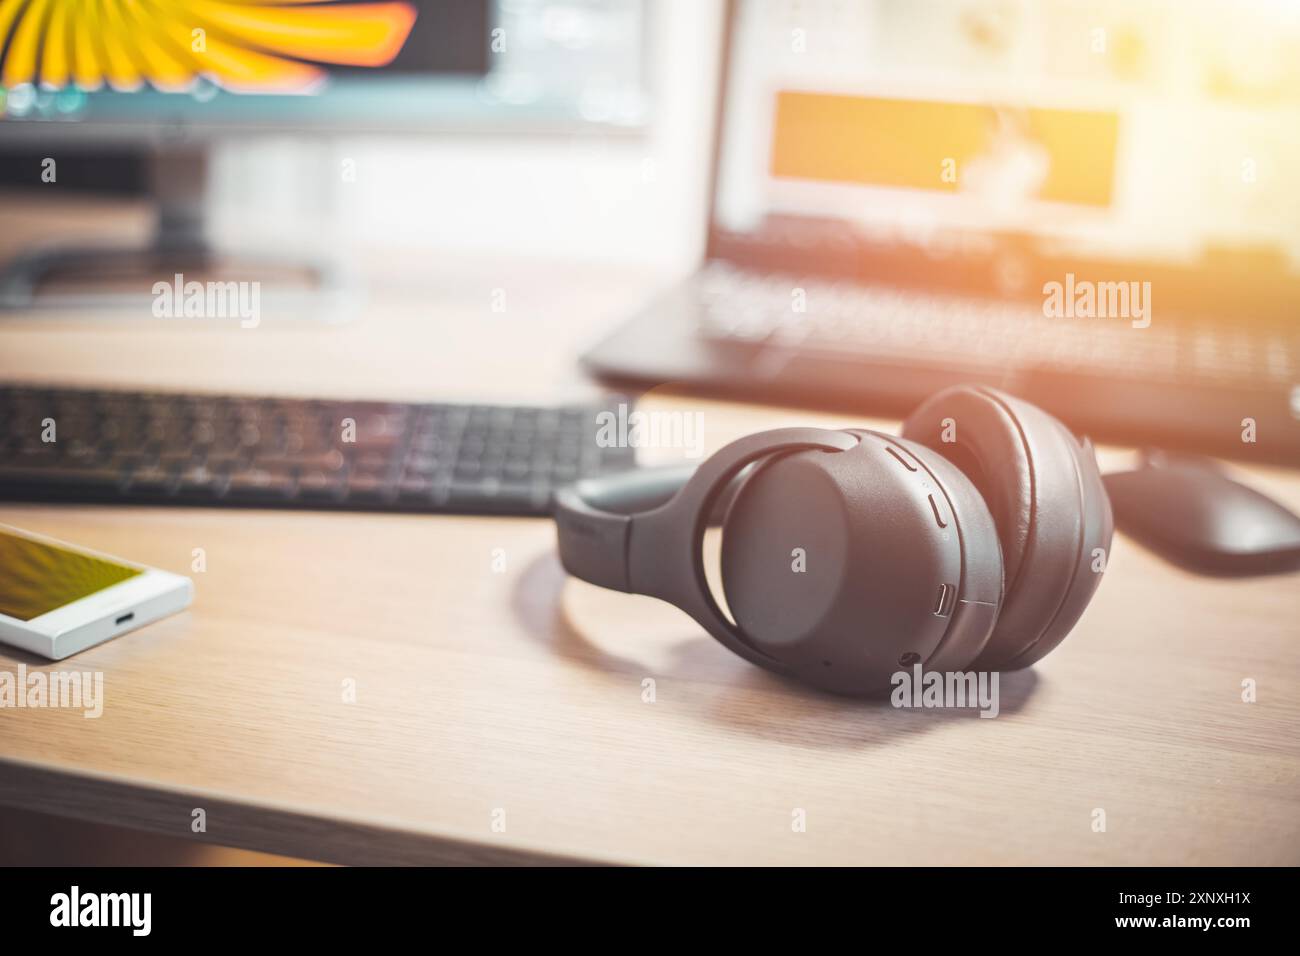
(934, 507)
(900, 459)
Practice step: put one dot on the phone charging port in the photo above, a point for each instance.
(124, 618)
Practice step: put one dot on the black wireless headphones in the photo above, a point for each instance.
(972, 542)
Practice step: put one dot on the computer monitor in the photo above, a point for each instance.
(172, 80)
(376, 65)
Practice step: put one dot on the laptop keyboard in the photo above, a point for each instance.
(843, 319)
(155, 447)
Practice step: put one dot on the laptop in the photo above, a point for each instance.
(1094, 209)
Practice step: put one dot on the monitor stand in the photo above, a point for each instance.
(123, 278)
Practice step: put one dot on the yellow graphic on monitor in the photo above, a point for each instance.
(272, 47)
(874, 141)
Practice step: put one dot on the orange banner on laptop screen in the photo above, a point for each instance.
(930, 145)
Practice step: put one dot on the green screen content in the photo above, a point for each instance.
(36, 578)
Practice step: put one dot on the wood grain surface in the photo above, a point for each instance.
(517, 696)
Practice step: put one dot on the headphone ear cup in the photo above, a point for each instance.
(1045, 495)
(849, 566)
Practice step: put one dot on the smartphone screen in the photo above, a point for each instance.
(36, 577)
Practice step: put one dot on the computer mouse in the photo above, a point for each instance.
(1194, 515)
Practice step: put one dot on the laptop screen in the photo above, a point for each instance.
(1161, 131)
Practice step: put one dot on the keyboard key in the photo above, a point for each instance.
(320, 486)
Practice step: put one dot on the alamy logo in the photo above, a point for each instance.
(936, 689)
(179, 299)
(1084, 299)
(74, 690)
(626, 429)
(75, 908)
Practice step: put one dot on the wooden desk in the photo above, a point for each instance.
(479, 692)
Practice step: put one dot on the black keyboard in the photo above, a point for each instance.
(61, 444)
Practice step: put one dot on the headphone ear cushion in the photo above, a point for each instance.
(1045, 494)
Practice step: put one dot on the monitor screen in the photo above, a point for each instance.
(97, 71)
(1156, 130)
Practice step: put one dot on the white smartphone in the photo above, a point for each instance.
(57, 599)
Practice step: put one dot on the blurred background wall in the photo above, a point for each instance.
(623, 195)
